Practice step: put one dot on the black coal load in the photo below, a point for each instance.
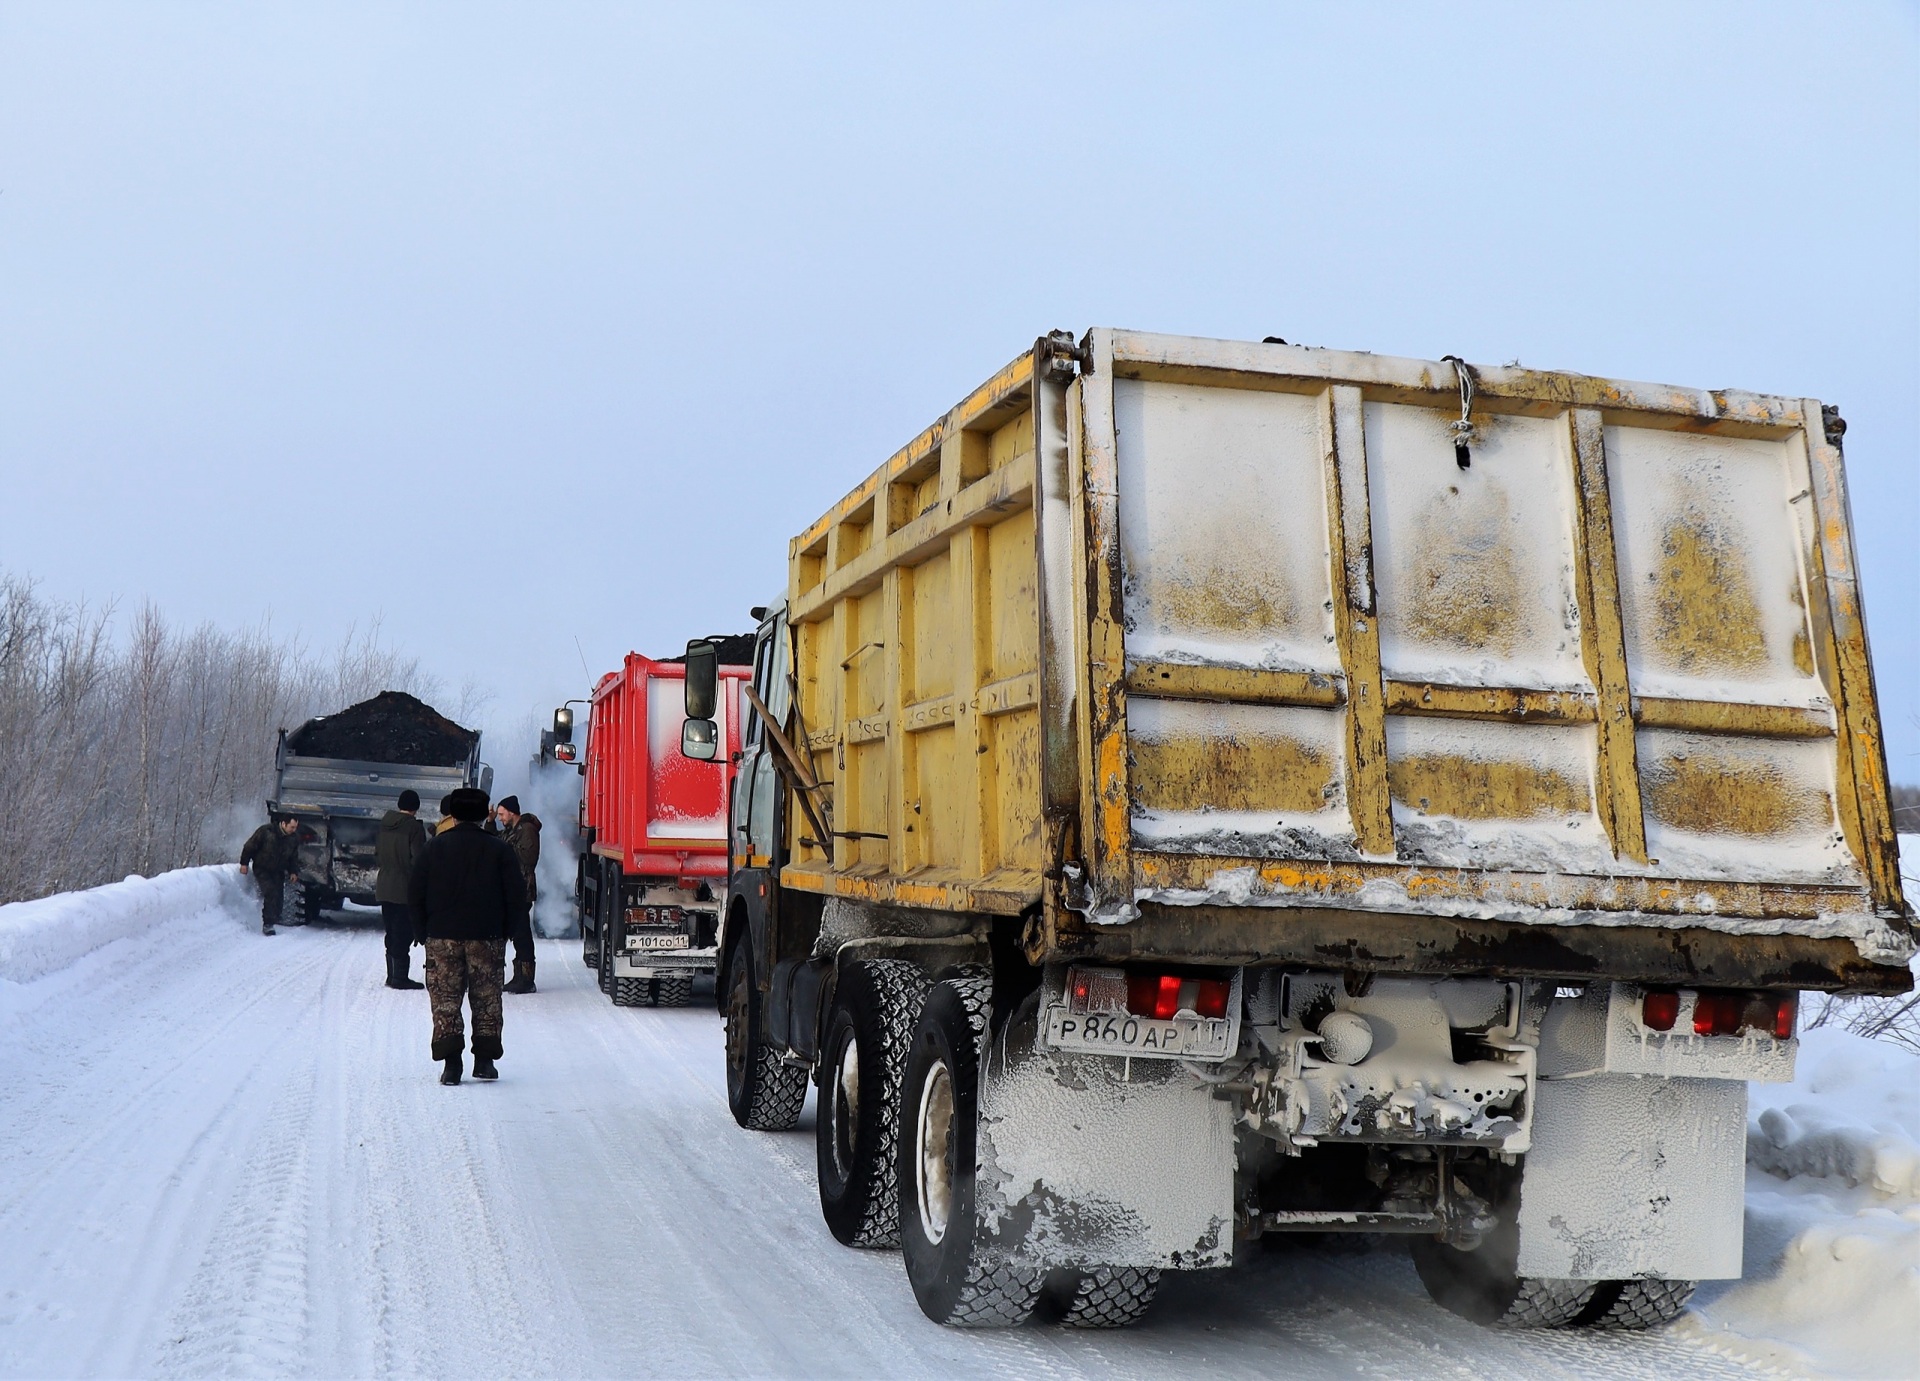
(736, 650)
(391, 727)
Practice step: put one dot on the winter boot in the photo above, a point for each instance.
(483, 1068)
(522, 977)
(451, 1073)
(397, 973)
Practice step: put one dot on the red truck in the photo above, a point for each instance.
(653, 874)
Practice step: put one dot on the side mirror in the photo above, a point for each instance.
(563, 725)
(699, 740)
(703, 680)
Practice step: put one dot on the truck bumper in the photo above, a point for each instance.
(660, 963)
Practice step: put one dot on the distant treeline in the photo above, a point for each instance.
(146, 748)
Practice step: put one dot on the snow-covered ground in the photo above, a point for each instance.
(222, 1154)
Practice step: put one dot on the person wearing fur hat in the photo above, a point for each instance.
(467, 896)
(522, 833)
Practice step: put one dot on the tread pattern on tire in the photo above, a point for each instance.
(590, 952)
(1111, 1297)
(995, 1294)
(1634, 1305)
(1545, 1303)
(779, 1092)
(632, 992)
(673, 990)
(902, 988)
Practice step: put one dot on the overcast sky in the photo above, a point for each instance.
(522, 325)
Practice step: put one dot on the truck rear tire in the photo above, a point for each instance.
(1484, 1286)
(764, 1092)
(632, 992)
(1634, 1305)
(956, 1279)
(1103, 1296)
(673, 990)
(313, 900)
(605, 966)
(590, 947)
(857, 1123)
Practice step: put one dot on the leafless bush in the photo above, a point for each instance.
(154, 751)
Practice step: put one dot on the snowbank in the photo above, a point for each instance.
(39, 937)
(1833, 1202)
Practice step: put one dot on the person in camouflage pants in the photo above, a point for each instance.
(470, 969)
(467, 895)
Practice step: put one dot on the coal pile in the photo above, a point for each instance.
(736, 650)
(391, 727)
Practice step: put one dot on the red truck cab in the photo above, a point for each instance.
(653, 874)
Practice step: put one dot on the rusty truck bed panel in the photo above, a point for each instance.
(1219, 627)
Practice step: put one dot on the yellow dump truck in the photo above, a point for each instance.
(1200, 789)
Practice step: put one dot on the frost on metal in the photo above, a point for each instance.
(1634, 1176)
(1476, 566)
(1093, 1159)
(1223, 529)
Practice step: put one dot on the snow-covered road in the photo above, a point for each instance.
(228, 1155)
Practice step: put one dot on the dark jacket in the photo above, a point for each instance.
(402, 837)
(466, 885)
(524, 840)
(270, 853)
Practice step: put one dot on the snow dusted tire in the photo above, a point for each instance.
(632, 992)
(1635, 1305)
(857, 1127)
(1482, 1285)
(764, 1092)
(673, 990)
(590, 948)
(956, 1277)
(605, 966)
(1104, 1296)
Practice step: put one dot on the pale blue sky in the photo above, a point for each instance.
(522, 324)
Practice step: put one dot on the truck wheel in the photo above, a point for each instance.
(632, 992)
(312, 901)
(1102, 1297)
(590, 947)
(1482, 1285)
(673, 990)
(1633, 1305)
(857, 1126)
(605, 966)
(955, 1277)
(764, 1092)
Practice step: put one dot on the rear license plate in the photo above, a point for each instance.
(1117, 1033)
(658, 942)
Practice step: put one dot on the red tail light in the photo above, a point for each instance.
(1659, 1009)
(1165, 995)
(1786, 1009)
(1736, 1013)
(1211, 1000)
(1716, 1014)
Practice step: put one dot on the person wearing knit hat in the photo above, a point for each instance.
(397, 847)
(467, 896)
(522, 834)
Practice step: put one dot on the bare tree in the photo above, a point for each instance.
(154, 753)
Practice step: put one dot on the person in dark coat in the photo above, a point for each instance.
(522, 834)
(398, 847)
(467, 896)
(269, 856)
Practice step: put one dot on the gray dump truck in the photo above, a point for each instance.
(338, 774)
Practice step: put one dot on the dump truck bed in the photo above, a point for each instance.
(658, 813)
(1239, 650)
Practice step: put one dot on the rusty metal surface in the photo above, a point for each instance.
(1369, 943)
